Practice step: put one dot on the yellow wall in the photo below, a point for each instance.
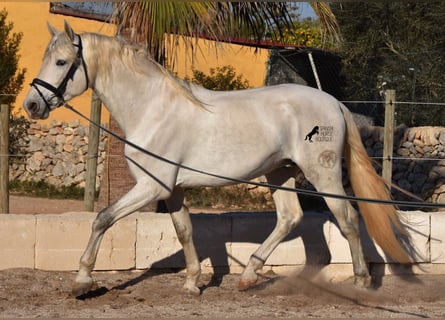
(247, 61)
(31, 19)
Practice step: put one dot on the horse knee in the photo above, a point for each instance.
(102, 222)
(183, 231)
(184, 235)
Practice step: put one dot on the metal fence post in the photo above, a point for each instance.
(4, 159)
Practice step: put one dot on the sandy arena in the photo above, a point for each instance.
(159, 293)
(33, 293)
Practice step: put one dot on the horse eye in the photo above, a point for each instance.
(60, 63)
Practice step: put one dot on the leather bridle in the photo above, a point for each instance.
(61, 89)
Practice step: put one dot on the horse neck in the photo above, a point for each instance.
(127, 94)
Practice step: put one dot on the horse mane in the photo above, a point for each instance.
(136, 59)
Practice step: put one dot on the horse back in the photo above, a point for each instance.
(248, 133)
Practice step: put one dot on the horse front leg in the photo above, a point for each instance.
(184, 230)
(136, 198)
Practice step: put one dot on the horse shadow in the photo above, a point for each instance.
(244, 228)
(212, 246)
(247, 232)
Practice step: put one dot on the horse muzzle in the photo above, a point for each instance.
(36, 109)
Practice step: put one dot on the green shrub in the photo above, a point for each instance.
(45, 190)
(220, 78)
(229, 198)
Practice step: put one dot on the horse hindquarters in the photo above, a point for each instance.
(320, 161)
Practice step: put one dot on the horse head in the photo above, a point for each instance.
(62, 76)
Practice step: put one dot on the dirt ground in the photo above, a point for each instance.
(125, 294)
(158, 293)
(31, 205)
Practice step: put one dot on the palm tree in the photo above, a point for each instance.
(147, 22)
(327, 19)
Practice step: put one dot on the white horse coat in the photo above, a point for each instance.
(273, 131)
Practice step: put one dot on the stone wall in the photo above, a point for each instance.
(57, 154)
(418, 159)
(148, 240)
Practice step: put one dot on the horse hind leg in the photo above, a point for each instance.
(289, 214)
(348, 221)
(329, 181)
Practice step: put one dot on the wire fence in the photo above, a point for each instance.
(410, 113)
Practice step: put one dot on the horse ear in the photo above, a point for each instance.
(53, 31)
(69, 31)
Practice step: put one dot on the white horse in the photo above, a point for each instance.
(273, 131)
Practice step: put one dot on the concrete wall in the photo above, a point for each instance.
(224, 242)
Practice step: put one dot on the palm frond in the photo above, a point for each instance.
(327, 20)
(148, 22)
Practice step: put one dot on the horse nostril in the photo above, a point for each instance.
(32, 107)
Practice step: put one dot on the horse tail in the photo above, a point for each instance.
(382, 221)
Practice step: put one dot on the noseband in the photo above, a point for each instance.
(61, 89)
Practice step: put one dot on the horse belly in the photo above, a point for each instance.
(219, 169)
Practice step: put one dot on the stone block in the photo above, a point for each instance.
(223, 242)
(419, 230)
(158, 245)
(307, 243)
(117, 250)
(18, 238)
(338, 245)
(438, 237)
(156, 242)
(212, 237)
(61, 239)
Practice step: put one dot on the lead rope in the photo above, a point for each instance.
(253, 183)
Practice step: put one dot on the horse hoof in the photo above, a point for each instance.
(362, 282)
(81, 288)
(193, 290)
(243, 285)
